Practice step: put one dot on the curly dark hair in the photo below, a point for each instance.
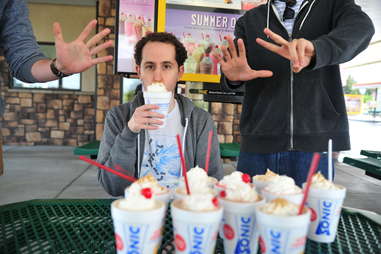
(181, 53)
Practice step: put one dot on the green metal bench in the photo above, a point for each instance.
(229, 150)
(371, 165)
(372, 154)
(90, 149)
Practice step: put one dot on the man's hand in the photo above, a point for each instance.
(298, 51)
(79, 55)
(145, 118)
(234, 65)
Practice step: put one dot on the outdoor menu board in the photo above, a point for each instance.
(135, 19)
(201, 25)
(202, 30)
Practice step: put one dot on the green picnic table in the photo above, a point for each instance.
(85, 226)
(371, 163)
(90, 149)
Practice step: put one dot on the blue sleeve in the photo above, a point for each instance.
(16, 38)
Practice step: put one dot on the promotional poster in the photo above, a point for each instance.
(202, 33)
(136, 18)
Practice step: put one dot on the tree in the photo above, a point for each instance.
(348, 89)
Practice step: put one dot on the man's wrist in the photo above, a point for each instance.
(56, 69)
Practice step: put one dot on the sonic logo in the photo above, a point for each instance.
(243, 243)
(275, 242)
(323, 227)
(180, 243)
(198, 238)
(134, 240)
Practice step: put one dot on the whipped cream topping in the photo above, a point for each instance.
(197, 179)
(149, 181)
(281, 207)
(235, 189)
(200, 202)
(136, 201)
(269, 176)
(156, 88)
(283, 185)
(320, 182)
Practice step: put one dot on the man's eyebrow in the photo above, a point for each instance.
(167, 62)
(148, 63)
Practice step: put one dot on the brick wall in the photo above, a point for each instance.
(45, 117)
(108, 90)
(226, 116)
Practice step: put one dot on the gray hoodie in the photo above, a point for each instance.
(120, 147)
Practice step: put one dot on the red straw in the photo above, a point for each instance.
(129, 178)
(183, 163)
(207, 159)
(313, 167)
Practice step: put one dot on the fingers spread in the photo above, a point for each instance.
(232, 49)
(301, 50)
(226, 54)
(293, 53)
(102, 59)
(241, 48)
(268, 45)
(57, 32)
(261, 74)
(87, 30)
(101, 47)
(98, 37)
(275, 37)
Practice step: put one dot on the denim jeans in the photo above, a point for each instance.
(293, 164)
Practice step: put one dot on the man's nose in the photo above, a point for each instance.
(157, 76)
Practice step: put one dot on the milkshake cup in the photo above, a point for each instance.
(261, 181)
(137, 231)
(239, 200)
(196, 219)
(281, 229)
(157, 94)
(283, 187)
(325, 201)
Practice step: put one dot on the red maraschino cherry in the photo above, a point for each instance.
(222, 194)
(215, 201)
(147, 193)
(246, 178)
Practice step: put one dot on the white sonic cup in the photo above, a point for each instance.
(161, 99)
(296, 198)
(195, 231)
(239, 226)
(137, 231)
(325, 207)
(282, 234)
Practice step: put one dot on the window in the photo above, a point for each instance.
(72, 82)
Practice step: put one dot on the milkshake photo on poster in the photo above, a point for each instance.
(202, 31)
(135, 19)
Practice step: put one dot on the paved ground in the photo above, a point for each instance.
(54, 172)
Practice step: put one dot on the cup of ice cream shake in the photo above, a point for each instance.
(196, 220)
(281, 229)
(325, 201)
(138, 221)
(239, 200)
(157, 94)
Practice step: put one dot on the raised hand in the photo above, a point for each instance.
(234, 63)
(298, 51)
(145, 118)
(79, 55)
